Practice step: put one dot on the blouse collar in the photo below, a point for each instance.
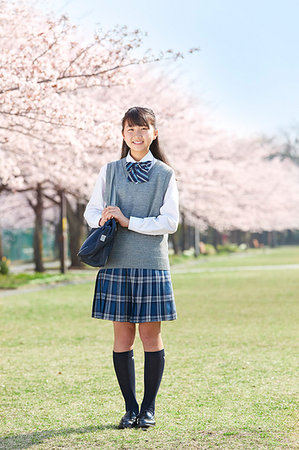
(148, 157)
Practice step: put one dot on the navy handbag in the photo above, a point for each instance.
(96, 248)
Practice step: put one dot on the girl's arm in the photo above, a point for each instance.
(96, 204)
(168, 219)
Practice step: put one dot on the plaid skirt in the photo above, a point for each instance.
(133, 295)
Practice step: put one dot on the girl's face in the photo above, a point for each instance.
(138, 139)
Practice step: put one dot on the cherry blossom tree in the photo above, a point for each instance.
(45, 68)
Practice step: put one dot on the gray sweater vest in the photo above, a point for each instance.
(131, 249)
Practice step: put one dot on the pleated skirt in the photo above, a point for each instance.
(134, 295)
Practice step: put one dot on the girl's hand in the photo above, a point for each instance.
(114, 212)
(102, 221)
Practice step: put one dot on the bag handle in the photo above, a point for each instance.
(110, 194)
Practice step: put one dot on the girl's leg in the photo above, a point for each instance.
(123, 360)
(154, 360)
(150, 335)
(124, 336)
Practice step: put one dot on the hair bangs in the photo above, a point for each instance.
(137, 116)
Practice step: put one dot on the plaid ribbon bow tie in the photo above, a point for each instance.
(138, 172)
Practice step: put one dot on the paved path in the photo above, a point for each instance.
(186, 269)
(234, 269)
(26, 289)
(28, 267)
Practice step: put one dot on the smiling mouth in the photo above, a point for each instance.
(137, 142)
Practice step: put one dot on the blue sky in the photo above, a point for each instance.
(247, 70)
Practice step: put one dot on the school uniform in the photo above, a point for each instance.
(135, 283)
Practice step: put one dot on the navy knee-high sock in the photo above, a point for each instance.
(125, 371)
(153, 370)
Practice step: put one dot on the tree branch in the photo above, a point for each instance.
(96, 74)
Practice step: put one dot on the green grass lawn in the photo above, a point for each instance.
(14, 281)
(250, 257)
(229, 380)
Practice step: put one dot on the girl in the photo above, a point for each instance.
(135, 285)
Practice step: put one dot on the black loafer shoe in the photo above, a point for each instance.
(146, 419)
(128, 420)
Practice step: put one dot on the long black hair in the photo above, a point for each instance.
(141, 117)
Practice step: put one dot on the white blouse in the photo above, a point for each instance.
(166, 222)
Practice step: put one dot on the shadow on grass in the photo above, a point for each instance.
(22, 441)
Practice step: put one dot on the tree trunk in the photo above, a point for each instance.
(269, 238)
(63, 232)
(56, 249)
(191, 237)
(184, 234)
(38, 230)
(214, 237)
(273, 239)
(196, 241)
(174, 240)
(76, 232)
(1, 245)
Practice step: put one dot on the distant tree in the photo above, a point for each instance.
(286, 145)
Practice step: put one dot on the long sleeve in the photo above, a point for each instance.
(167, 221)
(96, 204)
